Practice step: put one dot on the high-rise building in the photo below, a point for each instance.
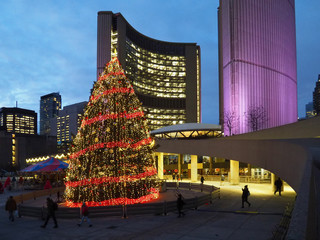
(18, 121)
(316, 97)
(257, 64)
(165, 76)
(65, 126)
(19, 138)
(50, 105)
(310, 110)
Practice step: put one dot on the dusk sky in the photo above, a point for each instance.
(50, 46)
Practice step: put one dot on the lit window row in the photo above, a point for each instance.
(158, 118)
(156, 74)
(114, 43)
(154, 55)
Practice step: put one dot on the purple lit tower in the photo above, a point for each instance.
(257, 64)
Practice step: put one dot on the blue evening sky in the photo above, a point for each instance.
(50, 45)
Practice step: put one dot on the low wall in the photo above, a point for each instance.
(160, 208)
(38, 193)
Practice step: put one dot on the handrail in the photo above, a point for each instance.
(160, 208)
(35, 194)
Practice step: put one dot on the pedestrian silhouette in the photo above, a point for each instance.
(222, 179)
(1, 188)
(202, 179)
(51, 208)
(278, 184)
(85, 213)
(245, 195)
(180, 204)
(11, 206)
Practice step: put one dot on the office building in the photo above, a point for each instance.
(65, 126)
(257, 64)
(50, 105)
(16, 148)
(19, 139)
(316, 97)
(310, 110)
(166, 76)
(18, 121)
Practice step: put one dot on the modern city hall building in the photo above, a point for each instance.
(257, 64)
(165, 76)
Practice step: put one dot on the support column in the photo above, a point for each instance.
(273, 179)
(234, 172)
(194, 168)
(180, 158)
(160, 164)
(249, 169)
(210, 164)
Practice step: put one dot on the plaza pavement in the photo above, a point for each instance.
(225, 219)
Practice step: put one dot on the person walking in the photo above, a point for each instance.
(14, 183)
(202, 179)
(11, 206)
(245, 195)
(180, 204)
(1, 188)
(85, 213)
(278, 184)
(222, 178)
(51, 208)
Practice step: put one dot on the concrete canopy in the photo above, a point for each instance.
(291, 151)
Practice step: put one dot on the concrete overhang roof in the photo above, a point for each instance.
(187, 127)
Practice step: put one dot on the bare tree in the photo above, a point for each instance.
(256, 118)
(230, 120)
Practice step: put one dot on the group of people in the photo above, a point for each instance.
(246, 192)
(11, 205)
(53, 206)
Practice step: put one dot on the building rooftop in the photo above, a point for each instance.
(188, 130)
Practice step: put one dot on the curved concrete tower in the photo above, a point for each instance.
(257, 64)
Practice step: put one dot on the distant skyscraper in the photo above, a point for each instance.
(316, 97)
(18, 121)
(310, 110)
(257, 64)
(19, 138)
(65, 126)
(165, 76)
(50, 105)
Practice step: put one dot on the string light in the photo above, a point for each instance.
(101, 180)
(112, 116)
(114, 90)
(111, 159)
(118, 201)
(111, 145)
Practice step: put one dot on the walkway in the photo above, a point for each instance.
(225, 219)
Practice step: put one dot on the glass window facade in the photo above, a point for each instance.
(68, 123)
(165, 76)
(159, 81)
(18, 120)
(49, 107)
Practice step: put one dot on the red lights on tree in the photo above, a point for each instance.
(111, 159)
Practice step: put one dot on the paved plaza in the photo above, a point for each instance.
(224, 219)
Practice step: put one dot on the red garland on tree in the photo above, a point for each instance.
(111, 159)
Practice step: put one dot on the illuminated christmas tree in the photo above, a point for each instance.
(111, 159)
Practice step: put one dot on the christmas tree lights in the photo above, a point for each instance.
(111, 159)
